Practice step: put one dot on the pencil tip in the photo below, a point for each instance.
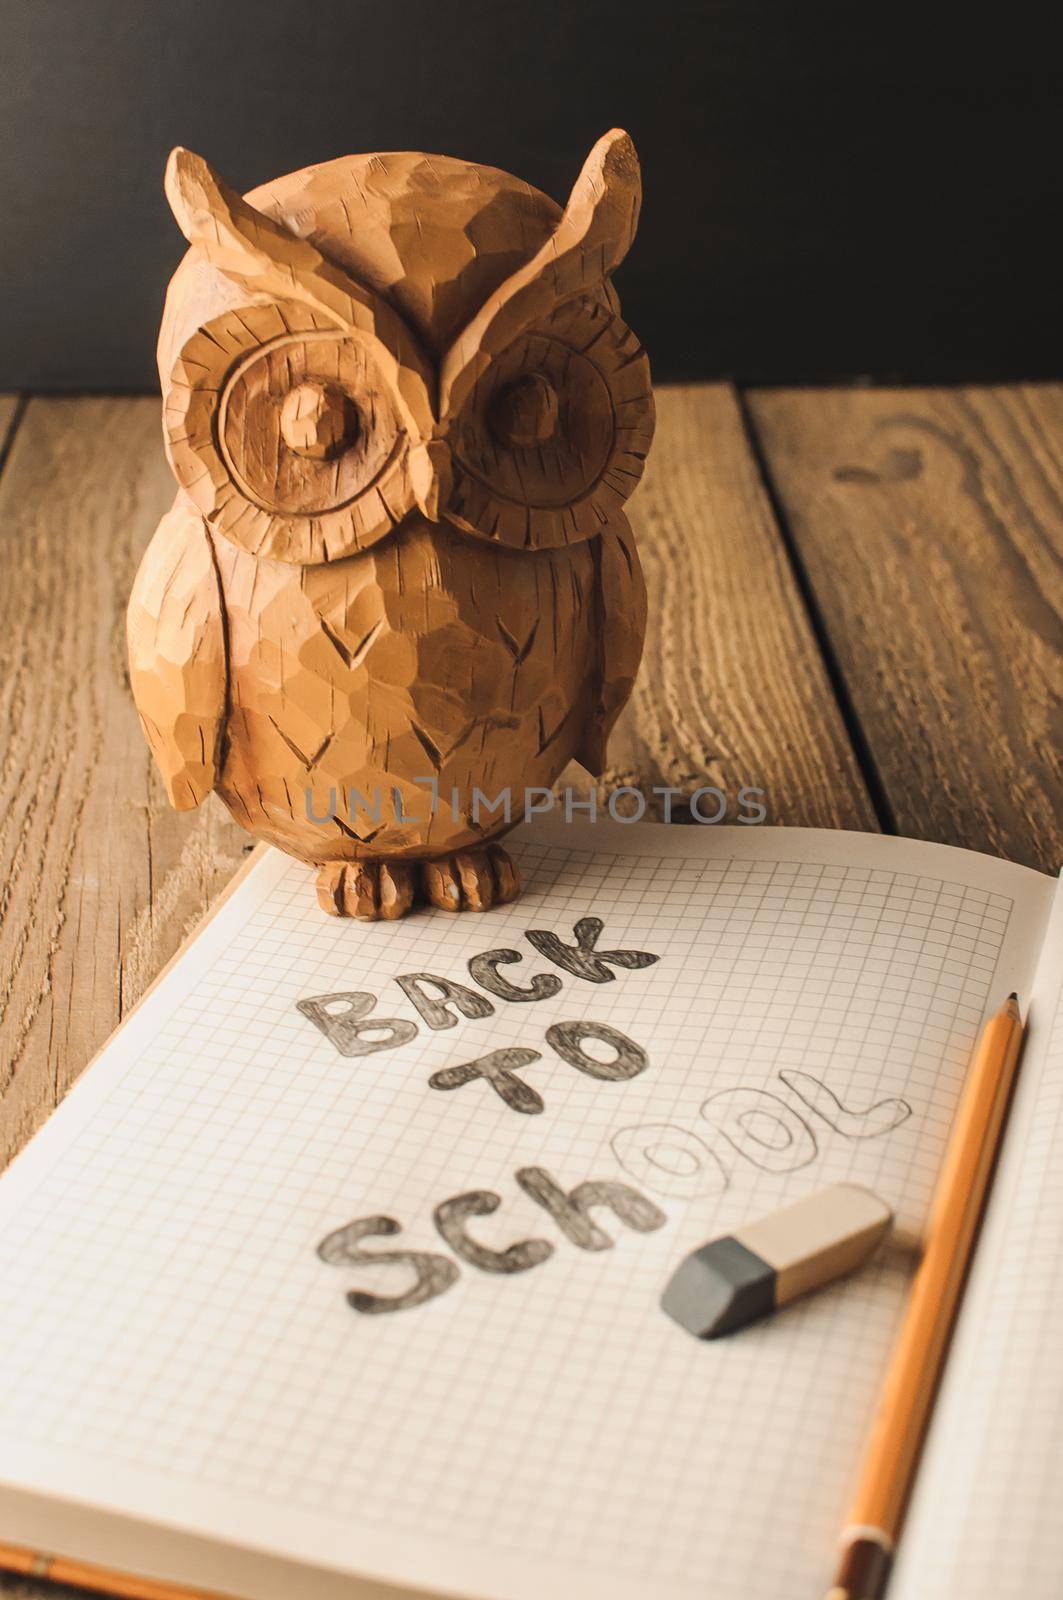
(1013, 996)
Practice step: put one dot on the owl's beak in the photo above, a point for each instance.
(431, 477)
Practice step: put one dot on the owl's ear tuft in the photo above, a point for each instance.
(616, 153)
(199, 199)
(240, 241)
(269, 260)
(590, 241)
(603, 208)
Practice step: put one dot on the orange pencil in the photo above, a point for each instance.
(875, 1515)
(86, 1575)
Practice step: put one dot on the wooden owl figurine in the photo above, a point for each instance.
(397, 582)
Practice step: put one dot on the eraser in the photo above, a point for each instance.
(748, 1274)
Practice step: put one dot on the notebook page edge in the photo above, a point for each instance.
(932, 1543)
(217, 1542)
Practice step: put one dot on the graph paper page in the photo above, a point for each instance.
(985, 1519)
(177, 1343)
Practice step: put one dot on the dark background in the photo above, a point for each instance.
(831, 190)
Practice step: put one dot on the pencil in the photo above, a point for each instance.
(86, 1575)
(874, 1521)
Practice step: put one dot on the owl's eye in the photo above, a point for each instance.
(286, 437)
(291, 432)
(525, 413)
(553, 436)
(318, 421)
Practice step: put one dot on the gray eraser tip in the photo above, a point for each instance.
(774, 1259)
(719, 1288)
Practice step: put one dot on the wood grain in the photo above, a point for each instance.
(99, 879)
(732, 690)
(930, 524)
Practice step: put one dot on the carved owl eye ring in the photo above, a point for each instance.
(292, 433)
(294, 445)
(554, 434)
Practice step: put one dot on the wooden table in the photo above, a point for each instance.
(856, 605)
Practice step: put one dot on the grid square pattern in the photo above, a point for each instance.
(165, 1307)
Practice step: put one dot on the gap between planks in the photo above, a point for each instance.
(930, 525)
(12, 407)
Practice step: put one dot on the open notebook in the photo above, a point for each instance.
(187, 1391)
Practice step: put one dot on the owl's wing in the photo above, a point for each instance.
(622, 607)
(177, 656)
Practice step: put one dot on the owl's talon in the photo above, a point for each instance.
(507, 878)
(476, 878)
(441, 884)
(397, 886)
(352, 889)
(330, 888)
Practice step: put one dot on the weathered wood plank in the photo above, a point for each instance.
(930, 524)
(99, 879)
(732, 690)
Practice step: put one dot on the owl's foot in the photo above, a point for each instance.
(373, 891)
(370, 890)
(471, 880)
